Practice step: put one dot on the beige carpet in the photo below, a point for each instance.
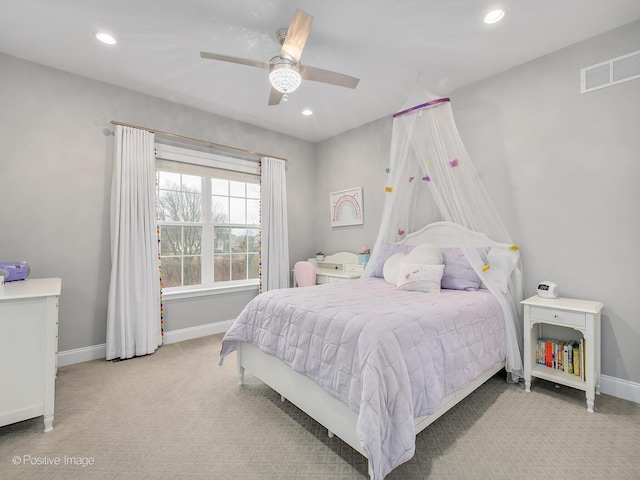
(177, 415)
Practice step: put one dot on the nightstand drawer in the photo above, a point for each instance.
(558, 316)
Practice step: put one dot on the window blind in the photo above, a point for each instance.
(194, 162)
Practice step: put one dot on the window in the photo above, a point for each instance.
(235, 215)
(209, 219)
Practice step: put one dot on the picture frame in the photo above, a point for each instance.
(346, 207)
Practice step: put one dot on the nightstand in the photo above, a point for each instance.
(565, 316)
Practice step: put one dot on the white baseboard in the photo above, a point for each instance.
(620, 388)
(196, 332)
(98, 352)
(84, 354)
(608, 385)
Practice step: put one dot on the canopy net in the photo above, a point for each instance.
(431, 178)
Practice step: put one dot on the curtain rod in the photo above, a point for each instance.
(205, 142)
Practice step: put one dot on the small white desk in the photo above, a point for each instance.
(28, 349)
(332, 275)
(337, 267)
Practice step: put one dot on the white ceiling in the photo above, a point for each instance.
(388, 44)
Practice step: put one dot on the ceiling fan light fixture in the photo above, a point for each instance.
(284, 75)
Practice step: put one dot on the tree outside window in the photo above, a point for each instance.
(209, 229)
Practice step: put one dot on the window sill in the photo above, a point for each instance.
(168, 294)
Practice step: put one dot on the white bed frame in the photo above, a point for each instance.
(337, 417)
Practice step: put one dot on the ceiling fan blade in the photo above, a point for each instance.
(241, 61)
(275, 96)
(297, 34)
(327, 76)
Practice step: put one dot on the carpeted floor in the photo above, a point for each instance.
(177, 415)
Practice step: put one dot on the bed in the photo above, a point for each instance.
(373, 364)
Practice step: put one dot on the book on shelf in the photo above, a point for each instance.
(568, 357)
(582, 362)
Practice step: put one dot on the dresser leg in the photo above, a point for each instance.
(527, 385)
(48, 423)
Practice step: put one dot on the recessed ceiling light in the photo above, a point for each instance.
(105, 38)
(307, 112)
(494, 16)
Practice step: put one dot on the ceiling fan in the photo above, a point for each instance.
(285, 70)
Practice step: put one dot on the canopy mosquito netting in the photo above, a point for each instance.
(431, 178)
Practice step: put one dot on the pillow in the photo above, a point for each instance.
(420, 278)
(458, 273)
(502, 261)
(385, 251)
(425, 254)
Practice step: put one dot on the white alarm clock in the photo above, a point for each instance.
(548, 289)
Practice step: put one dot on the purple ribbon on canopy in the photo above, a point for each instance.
(423, 105)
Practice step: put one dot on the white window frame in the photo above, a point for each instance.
(205, 164)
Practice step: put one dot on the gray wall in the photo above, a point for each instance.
(55, 179)
(565, 174)
(357, 158)
(562, 169)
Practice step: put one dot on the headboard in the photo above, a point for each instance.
(448, 234)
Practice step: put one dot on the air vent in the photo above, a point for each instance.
(611, 72)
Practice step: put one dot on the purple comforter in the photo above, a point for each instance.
(390, 355)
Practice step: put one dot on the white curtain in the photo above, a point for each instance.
(430, 165)
(133, 316)
(275, 270)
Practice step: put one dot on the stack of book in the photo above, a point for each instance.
(560, 355)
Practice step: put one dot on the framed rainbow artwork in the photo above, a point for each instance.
(346, 207)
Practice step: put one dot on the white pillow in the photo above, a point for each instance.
(420, 278)
(425, 254)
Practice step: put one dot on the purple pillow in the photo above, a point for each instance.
(458, 273)
(384, 252)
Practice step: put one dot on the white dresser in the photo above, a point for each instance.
(28, 349)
